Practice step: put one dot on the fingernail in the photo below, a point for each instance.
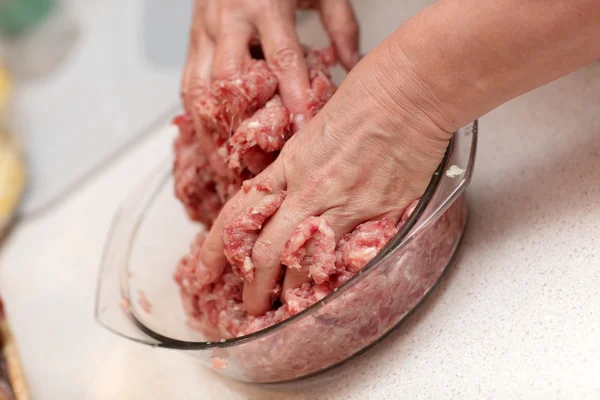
(203, 274)
(298, 122)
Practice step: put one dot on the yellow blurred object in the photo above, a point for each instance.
(4, 89)
(12, 182)
(12, 170)
(12, 179)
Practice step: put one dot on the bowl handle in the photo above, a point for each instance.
(457, 171)
(113, 308)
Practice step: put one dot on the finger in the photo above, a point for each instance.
(199, 84)
(233, 44)
(266, 256)
(198, 67)
(341, 222)
(186, 76)
(212, 261)
(196, 73)
(201, 68)
(211, 17)
(341, 24)
(284, 54)
(233, 219)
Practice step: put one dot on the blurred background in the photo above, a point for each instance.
(82, 79)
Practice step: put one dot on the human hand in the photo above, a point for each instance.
(223, 32)
(365, 156)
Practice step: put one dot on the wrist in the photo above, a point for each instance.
(384, 85)
(444, 97)
(468, 57)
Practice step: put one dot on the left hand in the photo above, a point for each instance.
(224, 30)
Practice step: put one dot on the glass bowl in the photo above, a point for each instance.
(137, 297)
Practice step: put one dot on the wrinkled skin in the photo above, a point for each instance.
(223, 32)
(344, 166)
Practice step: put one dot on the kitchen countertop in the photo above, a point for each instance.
(517, 316)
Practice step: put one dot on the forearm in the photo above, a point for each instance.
(459, 59)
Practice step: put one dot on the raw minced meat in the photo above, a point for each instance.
(232, 101)
(321, 262)
(144, 303)
(330, 266)
(336, 329)
(218, 363)
(356, 249)
(268, 129)
(240, 127)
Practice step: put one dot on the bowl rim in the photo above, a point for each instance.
(176, 344)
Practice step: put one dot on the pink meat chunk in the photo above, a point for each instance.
(301, 298)
(320, 59)
(268, 128)
(239, 127)
(356, 249)
(194, 180)
(321, 91)
(321, 261)
(256, 160)
(231, 101)
(144, 303)
(261, 184)
(218, 363)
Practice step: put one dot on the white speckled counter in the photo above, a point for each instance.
(516, 317)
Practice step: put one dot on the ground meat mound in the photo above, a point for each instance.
(321, 262)
(217, 309)
(243, 125)
(240, 126)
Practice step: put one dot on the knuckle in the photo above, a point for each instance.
(341, 215)
(263, 255)
(318, 181)
(226, 69)
(285, 58)
(345, 31)
(210, 252)
(195, 89)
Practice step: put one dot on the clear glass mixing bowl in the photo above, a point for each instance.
(138, 299)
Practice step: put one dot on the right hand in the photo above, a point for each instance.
(365, 156)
